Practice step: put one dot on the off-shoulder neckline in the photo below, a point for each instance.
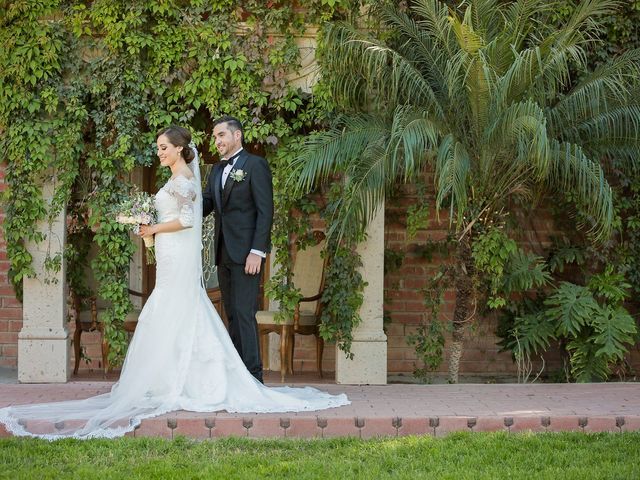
(183, 176)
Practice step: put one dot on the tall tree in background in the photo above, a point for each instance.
(477, 95)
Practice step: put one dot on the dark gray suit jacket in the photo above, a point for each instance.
(243, 210)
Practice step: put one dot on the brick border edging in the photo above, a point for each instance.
(363, 427)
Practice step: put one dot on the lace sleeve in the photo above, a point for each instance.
(184, 191)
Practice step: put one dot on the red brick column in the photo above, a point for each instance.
(10, 308)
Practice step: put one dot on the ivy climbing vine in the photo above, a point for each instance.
(84, 86)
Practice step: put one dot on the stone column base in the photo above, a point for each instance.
(369, 364)
(43, 356)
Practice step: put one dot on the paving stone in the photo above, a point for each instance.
(40, 427)
(490, 424)
(527, 424)
(379, 427)
(229, 427)
(452, 424)
(303, 427)
(601, 424)
(415, 426)
(564, 423)
(340, 427)
(631, 423)
(191, 428)
(268, 427)
(153, 427)
(392, 410)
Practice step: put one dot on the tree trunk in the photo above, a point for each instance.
(464, 295)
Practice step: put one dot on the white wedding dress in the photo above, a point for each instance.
(180, 357)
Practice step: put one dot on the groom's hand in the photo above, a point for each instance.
(252, 264)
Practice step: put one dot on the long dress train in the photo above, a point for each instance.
(180, 357)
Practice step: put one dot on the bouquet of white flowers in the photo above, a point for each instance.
(138, 209)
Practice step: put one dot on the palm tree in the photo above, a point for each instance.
(482, 97)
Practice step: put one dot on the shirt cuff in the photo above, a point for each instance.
(259, 252)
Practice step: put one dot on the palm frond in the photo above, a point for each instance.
(520, 128)
(434, 18)
(371, 155)
(398, 156)
(478, 77)
(419, 45)
(573, 171)
(413, 135)
(452, 171)
(329, 152)
(468, 39)
(613, 83)
(484, 17)
(582, 22)
(393, 77)
(364, 192)
(612, 133)
(545, 67)
(520, 19)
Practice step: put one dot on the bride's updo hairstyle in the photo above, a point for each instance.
(179, 137)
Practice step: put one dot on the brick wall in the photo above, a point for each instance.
(403, 303)
(10, 308)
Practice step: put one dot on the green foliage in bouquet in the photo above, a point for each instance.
(138, 209)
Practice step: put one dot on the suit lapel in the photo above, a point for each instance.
(228, 186)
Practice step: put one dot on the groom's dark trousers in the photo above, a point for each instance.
(241, 304)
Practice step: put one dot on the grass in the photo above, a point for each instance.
(458, 456)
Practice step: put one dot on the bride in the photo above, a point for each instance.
(181, 356)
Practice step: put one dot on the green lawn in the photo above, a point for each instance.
(458, 456)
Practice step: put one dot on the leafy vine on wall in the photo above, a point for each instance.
(84, 86)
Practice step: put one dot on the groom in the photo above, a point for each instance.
(240, 192)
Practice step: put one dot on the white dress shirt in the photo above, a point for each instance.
(227, 169)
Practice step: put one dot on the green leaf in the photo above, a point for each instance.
(525, 271)
(613, 329)
(571, 307)
(586, 365)
(531, 333)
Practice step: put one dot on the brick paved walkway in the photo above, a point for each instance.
(392, 410)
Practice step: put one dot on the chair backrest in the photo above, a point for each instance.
(308, 271)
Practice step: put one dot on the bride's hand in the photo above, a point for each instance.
(147, 230)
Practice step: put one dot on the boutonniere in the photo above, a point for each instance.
(238, 175)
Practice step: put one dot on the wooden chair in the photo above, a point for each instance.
(308, 275)
(88, 320)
